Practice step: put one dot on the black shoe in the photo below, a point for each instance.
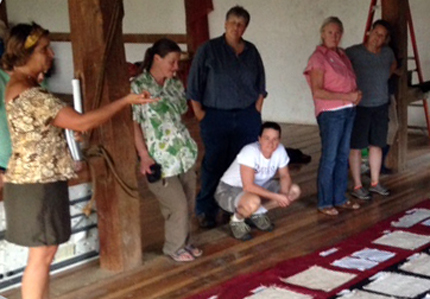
(224, 217)
(205, 221)
(385, 170)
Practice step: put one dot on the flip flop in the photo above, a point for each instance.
(329, 211)
(194, 251)
(349, 205)
(182, 255)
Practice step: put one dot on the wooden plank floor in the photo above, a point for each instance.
(299, 230)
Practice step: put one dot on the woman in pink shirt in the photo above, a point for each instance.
(332, 81)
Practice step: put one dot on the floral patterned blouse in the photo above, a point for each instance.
(39, 149)
(168, 141)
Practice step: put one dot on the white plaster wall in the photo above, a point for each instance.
(60, 81)
(154, 16)
(51, 14)
(284, 31)
(148, 16)
(141, 16)
(420, 10)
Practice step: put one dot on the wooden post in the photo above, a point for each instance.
(394, 11)
(3, 12)
(118, 213)
(197, 22)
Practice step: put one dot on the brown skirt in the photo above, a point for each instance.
(37, 214)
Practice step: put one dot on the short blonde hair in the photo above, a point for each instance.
(332, 20)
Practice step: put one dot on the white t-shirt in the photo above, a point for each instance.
(251, 156)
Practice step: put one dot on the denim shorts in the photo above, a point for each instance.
(228, 196)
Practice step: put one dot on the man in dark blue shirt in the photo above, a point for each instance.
(226, 86)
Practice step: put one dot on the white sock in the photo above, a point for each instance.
(261, 210)
(235, 219)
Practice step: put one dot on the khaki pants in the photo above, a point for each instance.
(176, 195)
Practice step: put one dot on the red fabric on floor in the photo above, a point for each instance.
(241, 286)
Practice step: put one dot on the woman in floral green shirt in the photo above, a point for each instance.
(161, 137)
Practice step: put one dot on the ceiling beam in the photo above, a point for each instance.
(132, 38)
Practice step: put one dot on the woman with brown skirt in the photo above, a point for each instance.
(35, 191)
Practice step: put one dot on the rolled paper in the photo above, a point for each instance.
(77, 97)
(74, 146)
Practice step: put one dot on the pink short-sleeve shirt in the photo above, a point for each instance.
(338, 76)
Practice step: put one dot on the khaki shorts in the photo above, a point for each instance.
(228, 196)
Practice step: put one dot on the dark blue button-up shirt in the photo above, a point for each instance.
(221, 79)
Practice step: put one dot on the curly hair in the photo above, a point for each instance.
(23, 39)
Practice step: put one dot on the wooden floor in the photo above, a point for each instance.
(299, 230)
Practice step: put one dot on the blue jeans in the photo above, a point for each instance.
(335, 131)
(224, 133)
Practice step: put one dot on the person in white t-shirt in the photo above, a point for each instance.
(247, 189)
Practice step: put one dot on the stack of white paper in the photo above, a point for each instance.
(319, 278)
(359, 294)
(373, 254)
(364, 259)
(412, 217)
(354, 263)
(277, 293)
(399, 285)
(403, 239)
(418, 264)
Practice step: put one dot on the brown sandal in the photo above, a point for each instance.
(349, 205)
(329, 211)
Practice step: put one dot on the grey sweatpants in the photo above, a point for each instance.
(176, 195)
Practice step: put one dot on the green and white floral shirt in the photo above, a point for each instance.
(168, 141)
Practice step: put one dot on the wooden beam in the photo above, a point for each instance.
(196, 15)
(394, 11)
(118, 213)
(132, 38)
(152, 38)
(3, 12)
(59, 36)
